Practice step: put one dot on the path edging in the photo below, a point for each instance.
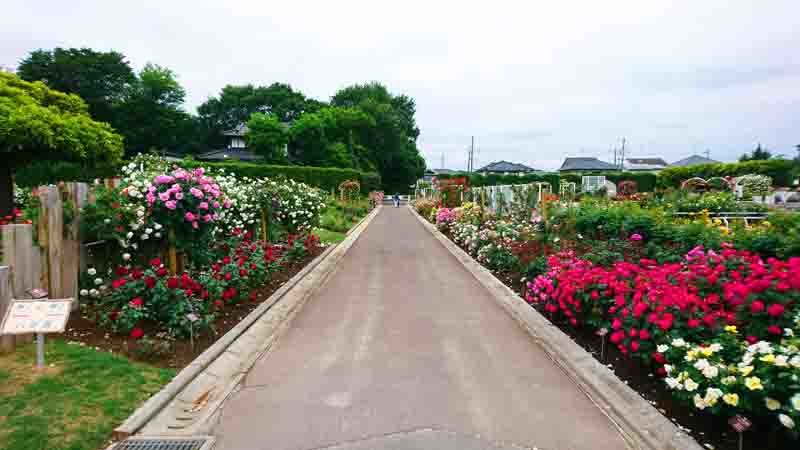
(149, 411)
(639, 421)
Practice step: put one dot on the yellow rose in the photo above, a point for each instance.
(731, 329)
(753, 383)
(731, 399)
(772, 404)
(745, 371)
(768, 358)
(706, 351)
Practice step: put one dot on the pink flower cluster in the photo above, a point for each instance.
(694, 298)
(445, 216)
(191, 191)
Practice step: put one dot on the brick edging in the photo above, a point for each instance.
(640, 423)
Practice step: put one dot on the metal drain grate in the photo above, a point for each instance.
(165, 444)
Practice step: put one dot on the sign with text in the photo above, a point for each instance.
(36, 316)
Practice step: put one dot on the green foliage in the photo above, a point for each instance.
(390, 141)
(781, 171)
(267, 137)
(40, 173)
(99, 78)
(150, 114)
(326, 178)
(759, 154)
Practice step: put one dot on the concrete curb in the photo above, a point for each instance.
(642, 425)
(169, 393)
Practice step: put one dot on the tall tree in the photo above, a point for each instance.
(391, 143)
(757, 154)
(151, 111)
(236, 104)
(99, 78)
(328, 138)
(267, 137)
(38, 123)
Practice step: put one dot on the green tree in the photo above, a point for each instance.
(328, 137)
(150, 113)
(38, 123)
(391, 142)
(267, 136)
(757, 155)
(236, 104)
(99, 78)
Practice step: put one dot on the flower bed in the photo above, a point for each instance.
(717, 328)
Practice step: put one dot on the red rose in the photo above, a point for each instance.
(155, 262)
(162, 271)
(114, 315)
(253, 297)
(644, 334)
(595, 295)
(218, 304)
(616, 324)
(137, 333)
(776, 310)
(751, 339)
(136, 303)
(226, 260)
(661, 372)
(118, 283)
(122, 271)
(617, 336)
(227, 276)
(659, 358)
(633, 332)
(173, 283)
(665, 324)
(150, 282)
(242, 273)
(693, 323)
(774, 329)
(757, 306)
(188, 292)
(635, 346)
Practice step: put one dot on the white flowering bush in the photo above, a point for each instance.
(246, 201)
(299, 205)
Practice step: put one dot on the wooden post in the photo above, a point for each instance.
(25, 262)
(77, 193)
(172, 253)
(264, 224)
(7, 343)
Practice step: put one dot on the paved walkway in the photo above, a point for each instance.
(403, 349)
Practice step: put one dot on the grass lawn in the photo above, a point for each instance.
(76, 402)
(328, 236)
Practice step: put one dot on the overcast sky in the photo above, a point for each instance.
(533, 81)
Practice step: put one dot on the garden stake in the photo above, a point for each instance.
(740, 424)
(263, 225)
(602, 332)
(173, 256)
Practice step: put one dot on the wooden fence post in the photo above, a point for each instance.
(264, 224)
(6, 342)
(25, 262)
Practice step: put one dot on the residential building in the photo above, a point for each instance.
(236, 148)
(505, 168)
(693, 160)
(645, 164)
(585, 164)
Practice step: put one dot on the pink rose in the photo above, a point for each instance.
(195, 225)
(164, 196)
(179, 195)
(150, 198)
(203, 205)
(216, 205)
(227, 203)
(776, 310)
(196, 192)
(189, 217)
(171, 204)
(164, 179)
(207, 218)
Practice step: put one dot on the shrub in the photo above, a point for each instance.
(781, 171)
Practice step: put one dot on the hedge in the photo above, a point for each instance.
(327, 178)
(645, 181)
(781, 171)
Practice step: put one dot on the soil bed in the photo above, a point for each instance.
(81, 328)
(710, 431)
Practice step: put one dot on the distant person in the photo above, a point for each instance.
(396, 199)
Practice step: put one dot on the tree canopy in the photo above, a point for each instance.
(38, 123)
(267, 136)
(757, 155)
(99, 78)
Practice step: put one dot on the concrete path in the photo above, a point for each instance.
(403, 349)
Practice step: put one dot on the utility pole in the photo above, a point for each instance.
(471, 165)
(622, 157)
(708, 153)
(615, 155)
(442, 166)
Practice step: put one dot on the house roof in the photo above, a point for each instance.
(224, 154)
(693, 161)
(505, 166)
(443, 171)
(645, 163)
(582, 163)
(240, 130)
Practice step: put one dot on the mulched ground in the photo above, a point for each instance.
(712, 432)
(178, 354)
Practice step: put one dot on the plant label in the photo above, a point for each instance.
(739, 423)
(36, 316)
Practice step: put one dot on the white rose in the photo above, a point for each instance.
(93, 292)
(129, 235)
(84, 292)
(92, 271)
(661, 348)
(145, 237)
(98, 281)
(107, 221)
(786, 421)
(126, 256)
(158, 235)
(157, 226)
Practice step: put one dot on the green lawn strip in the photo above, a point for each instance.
(328, 236)
(76, 403)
